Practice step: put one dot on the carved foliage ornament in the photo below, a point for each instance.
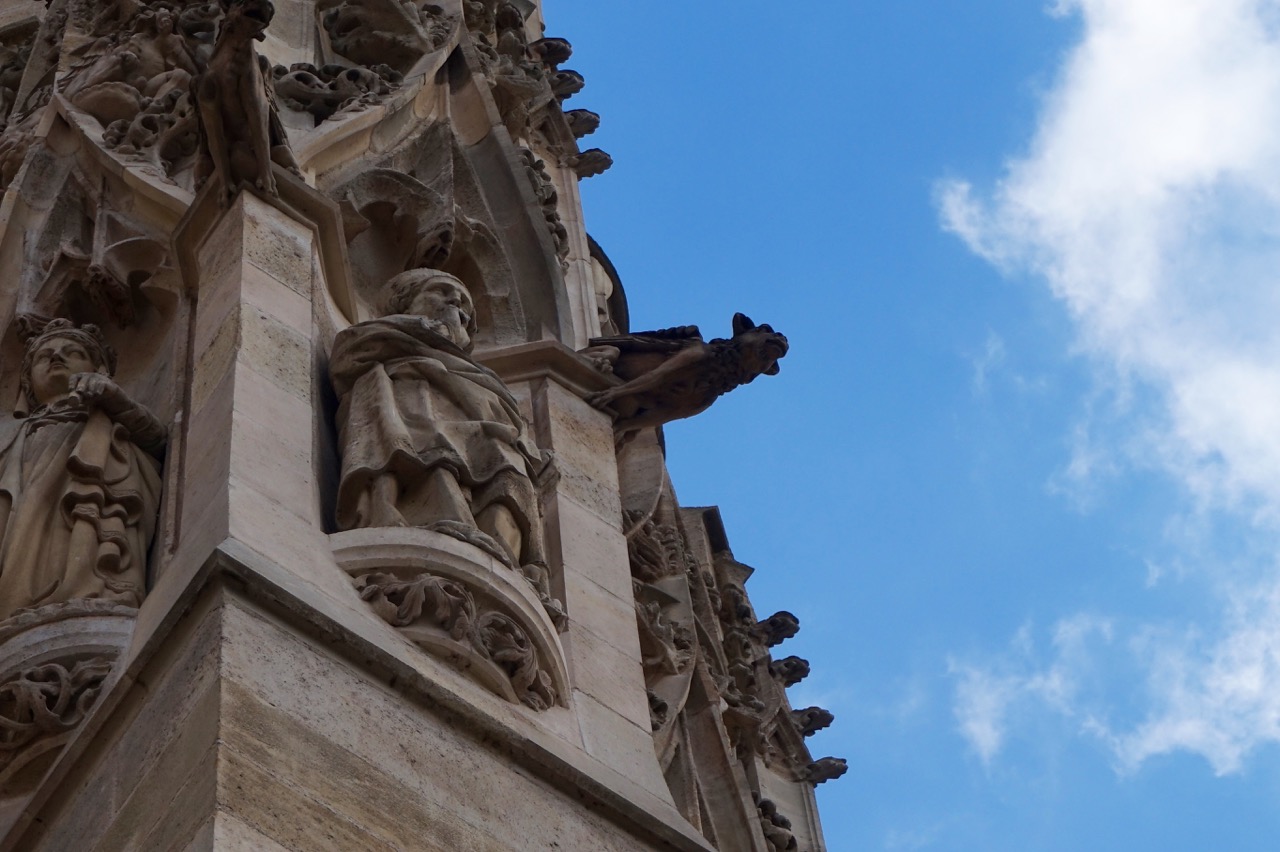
(450, 607)
(47, 700)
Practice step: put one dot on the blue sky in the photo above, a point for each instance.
(1019, 476)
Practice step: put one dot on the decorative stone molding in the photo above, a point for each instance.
(459, 604)
(55, 662)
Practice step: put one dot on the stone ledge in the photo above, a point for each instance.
(546, 359)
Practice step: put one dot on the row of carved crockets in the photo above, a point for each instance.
(131, 65)
(750, 682)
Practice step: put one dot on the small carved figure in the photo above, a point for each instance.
(329, 89)
(396, 34)
(79, 477)
(241, 134)
(429, 437)
(790, 670)
(776, 827)
(673, 373)
(810, 720)
(826, 769)
(777, 628)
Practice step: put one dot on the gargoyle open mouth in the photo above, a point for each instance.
(260, 12)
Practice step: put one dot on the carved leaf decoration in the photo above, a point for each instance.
(47, 700)
(451, 607)
(508, 646)
(401, 603)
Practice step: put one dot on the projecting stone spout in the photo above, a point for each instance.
(673, 373)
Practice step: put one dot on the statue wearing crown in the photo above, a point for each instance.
(79, 477)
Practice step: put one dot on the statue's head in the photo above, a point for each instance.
(437, 296)
(58, 352)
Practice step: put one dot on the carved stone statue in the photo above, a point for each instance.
(673, 373)
(429, 437)
(240, 132)
(79, 477)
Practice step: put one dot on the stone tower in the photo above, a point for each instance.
(333, 504)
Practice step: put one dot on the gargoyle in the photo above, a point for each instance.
(673, 373)
(240, 132)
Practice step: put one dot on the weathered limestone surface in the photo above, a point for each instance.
(244, 718)
(334, 513)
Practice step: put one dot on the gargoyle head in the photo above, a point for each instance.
(760, 345)
(250, 17)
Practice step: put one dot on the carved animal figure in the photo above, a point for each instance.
(674, 373)
(241, 133)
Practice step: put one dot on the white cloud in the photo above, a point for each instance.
(982, 707)
(987, 694)
(992, 356)
(1149, 202)
(1218, 698)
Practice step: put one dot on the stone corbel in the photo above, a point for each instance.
(462, 606)
(55, 662)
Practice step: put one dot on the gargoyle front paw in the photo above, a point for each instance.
(599, 399)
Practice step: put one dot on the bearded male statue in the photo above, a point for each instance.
(79, 477)
(429, 437)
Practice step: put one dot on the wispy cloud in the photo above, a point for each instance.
(988, 693)
(912, 839)
(991, 357)
(1149, 202)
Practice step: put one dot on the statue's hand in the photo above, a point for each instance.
(96, 390)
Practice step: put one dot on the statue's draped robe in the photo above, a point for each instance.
(78, 507)
(412, 402)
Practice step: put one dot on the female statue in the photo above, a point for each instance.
(79, 477)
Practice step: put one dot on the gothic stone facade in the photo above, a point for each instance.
(333, 504)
